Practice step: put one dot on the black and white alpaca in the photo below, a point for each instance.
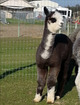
(54, 52)
(76, 53)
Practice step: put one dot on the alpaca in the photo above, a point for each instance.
(76, 53)
(75, 35)
(54, 53)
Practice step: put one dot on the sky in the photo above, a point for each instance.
(67, 2)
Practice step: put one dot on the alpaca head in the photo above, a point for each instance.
(53, 20)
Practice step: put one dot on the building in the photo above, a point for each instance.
(39, 8)
(2, 1)
(18, 8)
(65, 12)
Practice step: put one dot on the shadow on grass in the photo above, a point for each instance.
(15, 70)
(68, 87)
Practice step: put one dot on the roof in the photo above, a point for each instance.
(1, 1)
(42, 3)
(45, 3)
(62, 8)
(14, 4)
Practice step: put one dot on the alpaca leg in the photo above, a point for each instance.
(76, 69)
(62, 80)
(77, 82)
(42, 75)
(71, 66)
(52, 79)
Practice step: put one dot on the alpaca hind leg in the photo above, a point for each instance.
(51, 83)
(77, 82)
(76, 69)
(71, 66)
(62, 80)
(41, 79)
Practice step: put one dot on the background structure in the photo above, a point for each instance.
(21, 30)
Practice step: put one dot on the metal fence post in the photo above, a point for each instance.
(75, 25)
(68, 29)
(18, 28)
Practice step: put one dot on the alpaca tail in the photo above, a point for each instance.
(71, 66)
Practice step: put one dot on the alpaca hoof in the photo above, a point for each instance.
(49, 101)
(57, 97)
(37, 98)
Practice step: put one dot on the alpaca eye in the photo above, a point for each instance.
(53, 20)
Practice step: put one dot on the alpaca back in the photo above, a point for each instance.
(76, 49)
(78, 35)
(76, 53)
(75, 35)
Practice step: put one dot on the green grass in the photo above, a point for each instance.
(28, 21)
(20, 91)
(18, 82)
(17, 52)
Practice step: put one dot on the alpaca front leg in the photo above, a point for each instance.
(77, 82)
(51, 95)
(42, 75)
(37, 98)
(52, 79)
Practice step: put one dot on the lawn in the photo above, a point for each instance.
(28, 21)
(18, 74)
(17, 52)
(20, 91)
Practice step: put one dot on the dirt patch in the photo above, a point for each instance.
(25, 30)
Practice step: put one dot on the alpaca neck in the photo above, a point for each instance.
(47, 43)
(48, 38)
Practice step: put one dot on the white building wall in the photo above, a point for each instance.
(39, 5)
(8, 15)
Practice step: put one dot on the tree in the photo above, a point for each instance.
(75, 8)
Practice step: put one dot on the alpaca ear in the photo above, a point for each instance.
(57, 10)
(46, 11)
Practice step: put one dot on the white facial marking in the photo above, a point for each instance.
(37, 98)
(51, 95)
(54, 27)
(77, 82)
(46, 54)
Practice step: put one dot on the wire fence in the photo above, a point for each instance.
(18, 48)
(20, 34)
(19, 38)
